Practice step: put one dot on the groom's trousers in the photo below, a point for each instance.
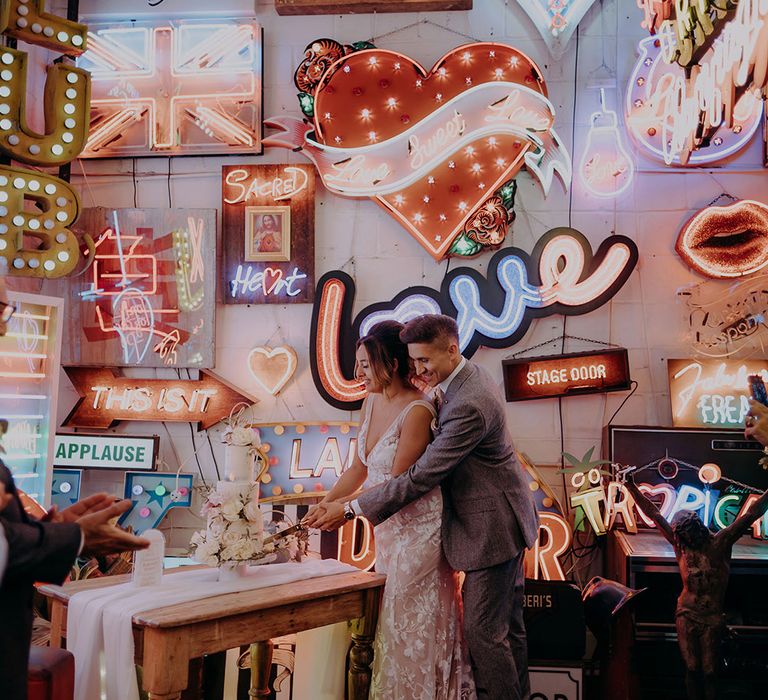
(495, 631)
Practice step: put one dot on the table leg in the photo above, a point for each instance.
(261, 667)
(361, 653)
(165, 663)
(58, 611)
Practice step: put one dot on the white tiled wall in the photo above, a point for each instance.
(359, 237)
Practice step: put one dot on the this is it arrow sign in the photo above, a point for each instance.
(106, 398)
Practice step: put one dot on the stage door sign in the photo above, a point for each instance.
(106, 451)
(706, 393)
(566, 375)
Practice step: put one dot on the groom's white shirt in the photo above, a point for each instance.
(443, 386)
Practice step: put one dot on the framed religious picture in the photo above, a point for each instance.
(268, 234)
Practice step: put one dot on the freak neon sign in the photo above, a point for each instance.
(560, 276)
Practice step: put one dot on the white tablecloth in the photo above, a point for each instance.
(99, 628)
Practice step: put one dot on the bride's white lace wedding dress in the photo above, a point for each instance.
(418, 648)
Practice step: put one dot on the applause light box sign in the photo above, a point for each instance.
(566, 375)
(708, 393)
(148, 297)
(81, 450)
(561, 276)
(437, 149)
(268, 234)
(191, 87)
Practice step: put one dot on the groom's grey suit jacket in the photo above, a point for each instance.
(488, 510)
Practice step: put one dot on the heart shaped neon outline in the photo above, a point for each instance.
(270, 353)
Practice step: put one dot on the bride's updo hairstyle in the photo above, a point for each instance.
(387, 354)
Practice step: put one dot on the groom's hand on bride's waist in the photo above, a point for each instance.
(325, 516)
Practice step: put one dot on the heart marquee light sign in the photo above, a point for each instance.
(272, 368)
(561, 275)
(433, 147)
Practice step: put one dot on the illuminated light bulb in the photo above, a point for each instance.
(391, 103)
(513, 62)
(372, 136)
(500, 162)
(442, 72)
(469, 150)
(439, 97)
(399, 199)
(476, 168)
(451, 164)
(431, 180)
(468, 80)
(397, 66)
(480, 185)
(499, 73)
(418, 218)
(491, 54)
(327, 116)
(442, 217)
(606, 168)
(365, 114)
(426, 198)
(466, 57)
(462, 206)
(373, 61)
(492, 141)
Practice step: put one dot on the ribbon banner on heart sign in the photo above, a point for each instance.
(272, 368)
(435, 148)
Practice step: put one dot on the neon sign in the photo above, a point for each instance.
(148, 297)
(269, 233)
(180, 87)
(695, 21)
(106, 398)
(605, 168)
(654, 13)
(556, 20)
(663, 113)
(724, 321)
(726, 242)
(429, 146)
(272, 368)
(711, 392)
(566, 375)
(560, 276)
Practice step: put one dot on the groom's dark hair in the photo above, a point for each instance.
(430, 328)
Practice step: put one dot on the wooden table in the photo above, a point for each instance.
(168, 639)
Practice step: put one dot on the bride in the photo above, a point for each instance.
(418, 647)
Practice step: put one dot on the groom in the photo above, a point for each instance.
(488, 513)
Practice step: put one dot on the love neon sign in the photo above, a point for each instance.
(560, 276)
(432, 147)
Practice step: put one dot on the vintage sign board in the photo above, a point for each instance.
(711, 393)
(566, 375)
(106, 398)
(82, 450)
(268, 225)
(305, 459)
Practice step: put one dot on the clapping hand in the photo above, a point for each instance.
(92, 504)
(100, 536)
(757, 422)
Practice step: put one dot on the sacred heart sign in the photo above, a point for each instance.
(431, 147)
(272, 367)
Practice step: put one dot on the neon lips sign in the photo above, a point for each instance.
(429, 146)
(561, 276)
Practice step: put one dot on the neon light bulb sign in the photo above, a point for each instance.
(187, 87)
(654, 13)
(429, 146)
(605, 168)
(560, 276)
(556, 20)
(664, 111)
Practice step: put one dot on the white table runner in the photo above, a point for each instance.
(99, 627)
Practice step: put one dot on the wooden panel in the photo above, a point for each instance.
(148, 299)
(259, 265)
(342, 7)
